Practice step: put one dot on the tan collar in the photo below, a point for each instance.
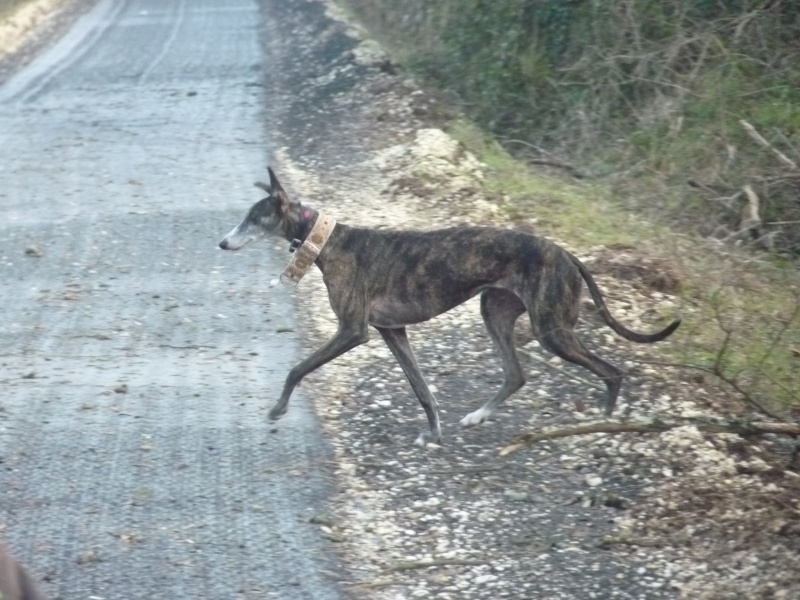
(309, 250)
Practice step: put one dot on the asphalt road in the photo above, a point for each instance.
(139, 361)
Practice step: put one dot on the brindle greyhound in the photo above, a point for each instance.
(391, 279)
(15, 582)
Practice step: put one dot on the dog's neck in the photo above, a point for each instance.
(299, 225)
(308, 232)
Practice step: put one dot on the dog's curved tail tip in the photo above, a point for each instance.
(616, 326)
(669, 329)
(640, 338)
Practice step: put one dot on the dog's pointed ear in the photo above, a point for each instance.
(273, 181)
(277, 190)
(263, 186)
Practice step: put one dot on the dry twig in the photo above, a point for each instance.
(751, 218)
(753, 133)
(653, 425)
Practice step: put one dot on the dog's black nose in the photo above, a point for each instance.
(223, 244)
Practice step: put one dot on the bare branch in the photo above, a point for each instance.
(782, 222)
(750, 214)
(717, 368)
(760, 139)
(653, 425)
(547, 162)
(572, 170)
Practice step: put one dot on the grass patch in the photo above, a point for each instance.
(585, 214)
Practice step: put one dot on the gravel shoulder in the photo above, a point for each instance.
(680, 515)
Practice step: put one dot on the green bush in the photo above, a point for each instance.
(659, 83)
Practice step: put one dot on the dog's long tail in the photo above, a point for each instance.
(628, 334)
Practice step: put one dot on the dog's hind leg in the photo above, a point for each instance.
(565, 344)
(500, 309)
(346, 338)
(554, 313)
(398, 343)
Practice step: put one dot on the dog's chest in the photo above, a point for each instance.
(391, 312)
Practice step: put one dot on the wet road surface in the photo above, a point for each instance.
(139, 361)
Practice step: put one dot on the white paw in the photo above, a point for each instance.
(426, 438)
(476, 418)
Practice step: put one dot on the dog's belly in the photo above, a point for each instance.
(395, 313)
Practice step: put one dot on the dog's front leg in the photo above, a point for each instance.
(346, 338)
(397, 340)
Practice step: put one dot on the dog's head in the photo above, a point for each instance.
(268, 216)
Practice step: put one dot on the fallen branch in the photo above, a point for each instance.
(548, 162)
(782, 223)
(572, 170)
(750, 219)
(653, 425)
(760, 139)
